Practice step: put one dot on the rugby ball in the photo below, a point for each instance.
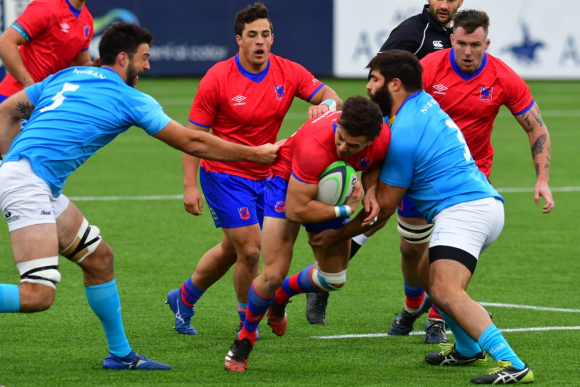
(336, 183)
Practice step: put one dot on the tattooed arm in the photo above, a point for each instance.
(12, 111)
(539, 137)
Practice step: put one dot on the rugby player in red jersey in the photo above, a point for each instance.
(243, 100)
(356, 135)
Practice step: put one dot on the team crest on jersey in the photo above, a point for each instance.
(244, 213)
(280, 92)
(64, 27)
(280, 206)
(486, 94)
(87, 31)
(364, 162)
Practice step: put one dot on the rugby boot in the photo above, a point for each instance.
(133, 361)
(505, 373)
(277, 319)
(449, 357)
(405, 321)
(435, 332)
(316, 308)
(183, 313)
(237, 358)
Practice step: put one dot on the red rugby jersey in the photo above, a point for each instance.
(473, 100)
(312, 148)
(55, 37)
(248, 108)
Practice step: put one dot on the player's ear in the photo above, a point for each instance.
(239, 40)
(487, 43)
(272, 39)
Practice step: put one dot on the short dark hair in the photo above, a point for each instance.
(249, 14)
(122, 37)
(361, 117)
(399, 64)
(470, 20)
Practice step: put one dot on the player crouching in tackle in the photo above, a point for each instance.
(430, 162)
(356, 135)
(75, 113)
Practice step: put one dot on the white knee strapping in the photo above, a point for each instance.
(327, 281)
(40, 271)
(85, 243)
(415, 234)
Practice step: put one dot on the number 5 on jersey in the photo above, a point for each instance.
(59, 97)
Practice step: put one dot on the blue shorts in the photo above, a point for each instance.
(3, 98)
(275, 197)
(408, 209)
(275, 204)
(233, 201)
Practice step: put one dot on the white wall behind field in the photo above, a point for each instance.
(539, 40)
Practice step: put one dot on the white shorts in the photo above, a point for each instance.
(26, 199)
(470, 226)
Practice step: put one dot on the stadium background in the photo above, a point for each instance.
(131, 190)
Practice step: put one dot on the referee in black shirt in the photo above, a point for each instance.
(421, 35)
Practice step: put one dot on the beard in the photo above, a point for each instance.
(433, 13)
(383, 98)
(131, 75)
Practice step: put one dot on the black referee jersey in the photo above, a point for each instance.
(420, 35)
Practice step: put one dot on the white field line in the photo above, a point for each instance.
(179, 197)
(536, 329)
(530, 307)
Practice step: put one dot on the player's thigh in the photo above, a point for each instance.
(68, 222)
(28, 206)
(333, 259)
(278, 238)
(461, 232)
(245, 240)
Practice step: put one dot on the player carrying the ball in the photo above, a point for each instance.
(356, 135)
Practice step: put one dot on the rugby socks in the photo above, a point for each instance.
(242, 309)
(298, 283)
(434, 313)
(356, 243)
(257, 307)
(464, 344)
(190, 294)
(9, 298)
(105, 302)
(415, 295)
(492, 341)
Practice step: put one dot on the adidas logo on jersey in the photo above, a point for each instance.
(64, 27)
(238, 100)
(438, 45)
(439, 89)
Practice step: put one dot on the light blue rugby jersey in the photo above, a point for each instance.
(78, 111)
(429, 156)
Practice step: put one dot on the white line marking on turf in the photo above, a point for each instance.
(536, 329)
(530, 307)
(179, 197)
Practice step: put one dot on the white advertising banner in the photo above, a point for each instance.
(536, 40)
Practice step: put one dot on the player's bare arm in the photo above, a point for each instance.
(388, 198)
(10, 55)
(84, 59)
(13, 110)
(206, 146)
(322, 102)
(192, 198)
(537, 132)
(301, 207)
(370, 181)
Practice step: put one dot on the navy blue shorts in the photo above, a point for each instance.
(408, 209)
(233, 201)
(275, 204)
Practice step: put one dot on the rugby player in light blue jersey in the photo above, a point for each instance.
(74, 113)
(429, 161)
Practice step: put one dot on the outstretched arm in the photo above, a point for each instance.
(12, 110)
(539, 137)
(206, 146)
